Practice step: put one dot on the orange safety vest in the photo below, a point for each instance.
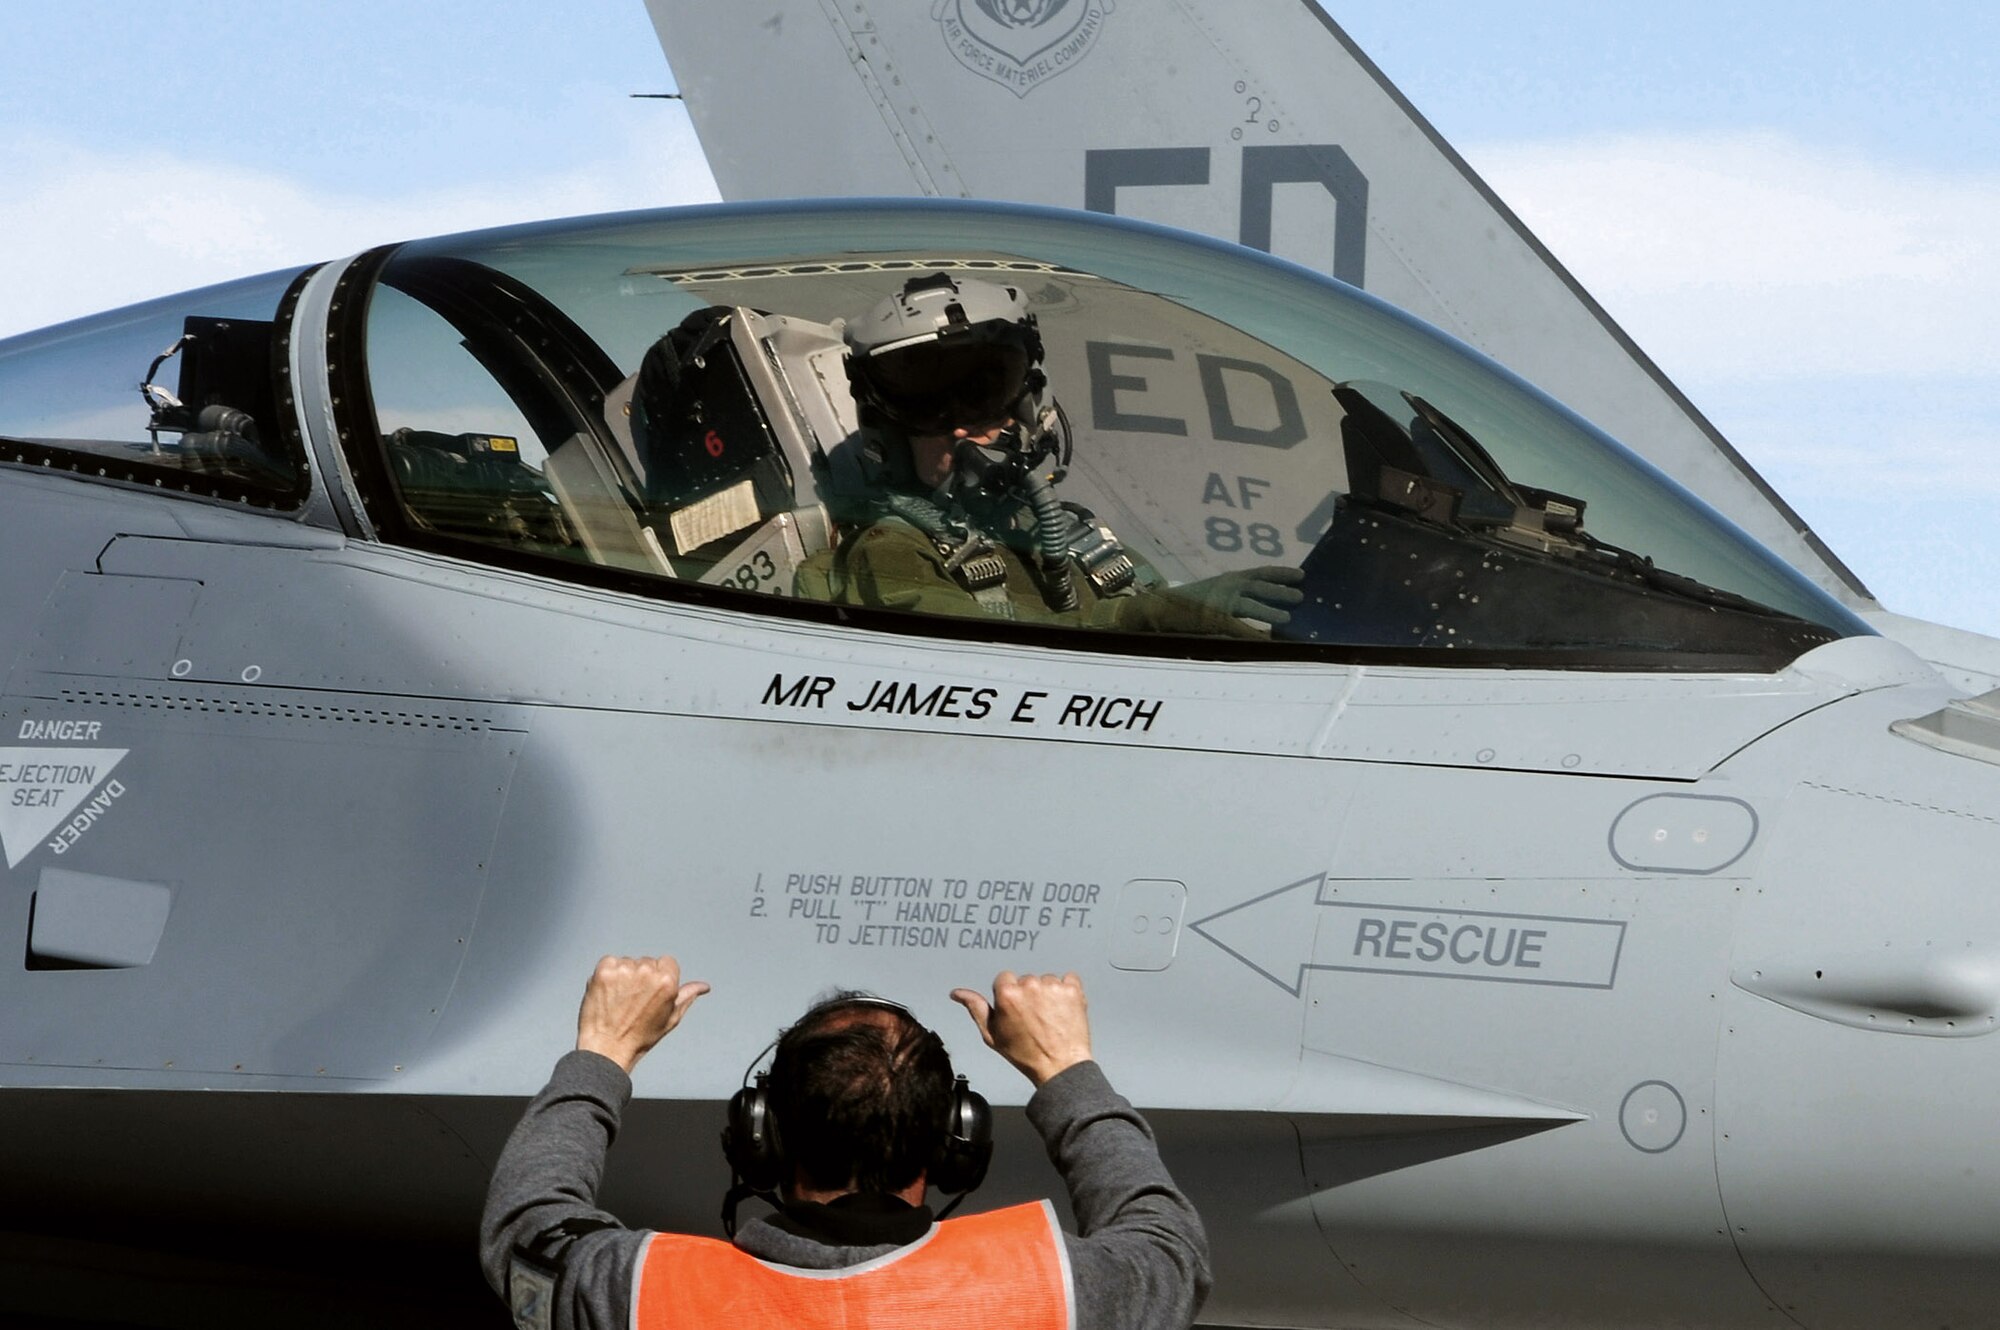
(1006, 1269)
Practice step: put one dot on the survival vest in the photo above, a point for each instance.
(1006, 1269)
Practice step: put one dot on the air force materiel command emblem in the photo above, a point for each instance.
(1020, 44)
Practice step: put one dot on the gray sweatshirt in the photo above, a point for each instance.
(1140, 1260)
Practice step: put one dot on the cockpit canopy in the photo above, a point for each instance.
(660, 402)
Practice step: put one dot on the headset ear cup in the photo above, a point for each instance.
(750, 1137)
(967, 1150)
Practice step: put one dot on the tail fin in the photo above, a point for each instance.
(1273, 130)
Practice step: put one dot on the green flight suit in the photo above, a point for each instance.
(891, 564)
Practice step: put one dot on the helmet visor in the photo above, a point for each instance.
(934, 387)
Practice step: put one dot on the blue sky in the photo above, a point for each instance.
(1913, 82)
(1794, 207)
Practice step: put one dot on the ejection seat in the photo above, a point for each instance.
(727, 446)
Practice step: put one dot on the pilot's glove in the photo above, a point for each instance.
(1264, 594)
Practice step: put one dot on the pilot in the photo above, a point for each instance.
(860, 1113)
(959, 454)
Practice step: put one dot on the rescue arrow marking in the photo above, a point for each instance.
(1268, 934)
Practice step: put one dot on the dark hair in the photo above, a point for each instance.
(862, 1095)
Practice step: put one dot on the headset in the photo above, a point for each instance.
(752, 1144)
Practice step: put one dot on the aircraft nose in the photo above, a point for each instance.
(1860, 1041)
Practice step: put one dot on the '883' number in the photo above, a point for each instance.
(759, 572)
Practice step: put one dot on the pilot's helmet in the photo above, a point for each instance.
(946, 353)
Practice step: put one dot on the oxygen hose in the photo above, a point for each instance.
(1052, 535)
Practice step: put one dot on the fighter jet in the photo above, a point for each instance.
(1564, 912)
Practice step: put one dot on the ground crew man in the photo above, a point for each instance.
(861, 1111)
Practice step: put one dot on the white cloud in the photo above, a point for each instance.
(92, 230)
(1855, 436)
(1895, 476)
(1750, 255)
(1945, 464)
